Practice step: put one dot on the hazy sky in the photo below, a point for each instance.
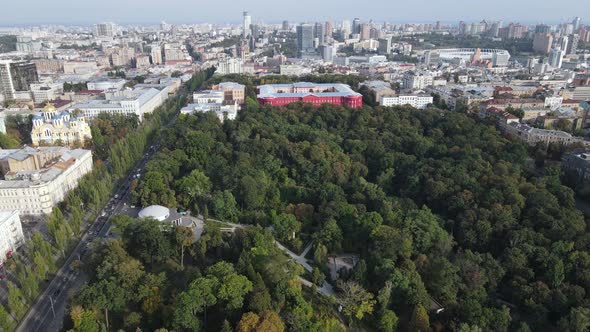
(272, 11)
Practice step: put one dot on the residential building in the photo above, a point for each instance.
(12, 234)
(365, 31)
(532, 136)
(313, 93)
(156, 54)
(230, 66)
(51, 127)
(542, 42)
(37, 179)
(417, 81)
(420, 101)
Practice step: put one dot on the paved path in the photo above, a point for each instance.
(326, 289)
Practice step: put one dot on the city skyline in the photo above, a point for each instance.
(63, 12)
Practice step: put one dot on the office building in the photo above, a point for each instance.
(500, 59)
(384, 45)
(43, 92)
(313, 93)
(319, 34)
(542, 43)
(305, 39)
(247, 21)
(37, 179)
(51, 127)
(356, 26)
(286, 26)
(16, 77)
(420, 101)
(12, 234)
(576, 23)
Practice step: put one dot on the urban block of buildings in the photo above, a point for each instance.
(37, 179)
(420, 101)
(313, 93)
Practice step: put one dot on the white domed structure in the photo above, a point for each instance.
(157, 212)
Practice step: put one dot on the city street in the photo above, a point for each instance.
(48, 312)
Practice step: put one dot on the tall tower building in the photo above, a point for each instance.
(365, 31)
(319, 33)
(285, 25)
(356, 25)
(542, 43)
(305, 39)
(576, 22)
(246, 25)
(556, 57)
(346, 29)
(328, 31)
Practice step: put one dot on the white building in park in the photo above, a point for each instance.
(11, 234)
(223, 112)
(419, 101)
(37, 179)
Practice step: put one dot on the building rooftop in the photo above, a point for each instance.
(273, 90)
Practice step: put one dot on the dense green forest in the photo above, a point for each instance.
(438, 206)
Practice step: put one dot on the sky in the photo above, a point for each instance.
(26, 12)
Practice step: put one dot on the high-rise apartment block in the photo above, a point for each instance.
(542, 42)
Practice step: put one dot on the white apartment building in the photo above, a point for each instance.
(11, 234)
(294, 70)
(43, 92)
(37, 179)
(416, 101)
(230, 66)
(138, 101)
(417, 81)
(553, 102)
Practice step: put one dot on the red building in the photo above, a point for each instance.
(312, 93)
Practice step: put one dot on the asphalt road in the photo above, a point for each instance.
(41, 317)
